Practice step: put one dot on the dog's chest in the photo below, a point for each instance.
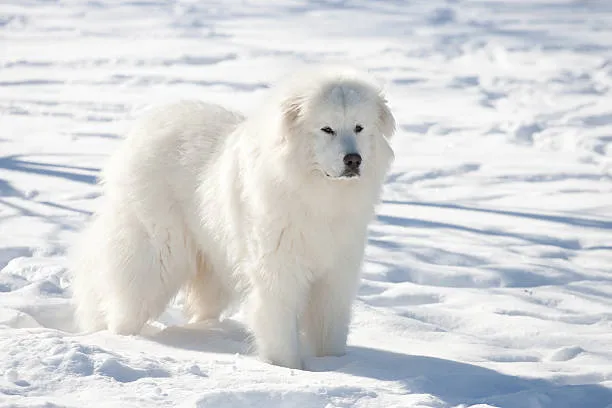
(321, 245)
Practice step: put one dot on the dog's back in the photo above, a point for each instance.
(170, 135)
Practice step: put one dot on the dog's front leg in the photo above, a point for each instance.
(328, 313)
(277, 300)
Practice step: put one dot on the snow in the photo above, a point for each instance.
(487, 279)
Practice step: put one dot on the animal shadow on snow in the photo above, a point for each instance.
(460, 383)
(227, 336)
(451, 381)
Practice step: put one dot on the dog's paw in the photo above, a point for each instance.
(288, 362)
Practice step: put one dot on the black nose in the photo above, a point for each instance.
(352, 161)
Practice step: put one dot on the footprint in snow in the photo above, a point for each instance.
(566, 353)
(123, 373)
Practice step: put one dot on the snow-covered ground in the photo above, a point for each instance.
(488, 279)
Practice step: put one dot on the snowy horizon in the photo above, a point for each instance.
(487, 278)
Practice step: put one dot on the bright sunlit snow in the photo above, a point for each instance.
(487, 280)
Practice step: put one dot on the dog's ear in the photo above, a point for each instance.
(385, 118)
(291, 109)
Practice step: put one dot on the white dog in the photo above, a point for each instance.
(271, 210)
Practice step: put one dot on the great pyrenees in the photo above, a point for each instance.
(268, 212)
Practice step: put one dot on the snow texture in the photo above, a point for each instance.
(487, 280)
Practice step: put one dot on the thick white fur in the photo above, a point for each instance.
(234, 210)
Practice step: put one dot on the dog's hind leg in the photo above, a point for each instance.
(86, 294)
(141, 270)
(206, 296)
(87, 267)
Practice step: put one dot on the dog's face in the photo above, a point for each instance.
(341, 125)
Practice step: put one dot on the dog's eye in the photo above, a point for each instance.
(328, 130)
(358, 128)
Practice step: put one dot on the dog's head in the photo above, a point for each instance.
(339, 120)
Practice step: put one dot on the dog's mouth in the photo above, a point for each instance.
(347, 174)
(350, 174)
